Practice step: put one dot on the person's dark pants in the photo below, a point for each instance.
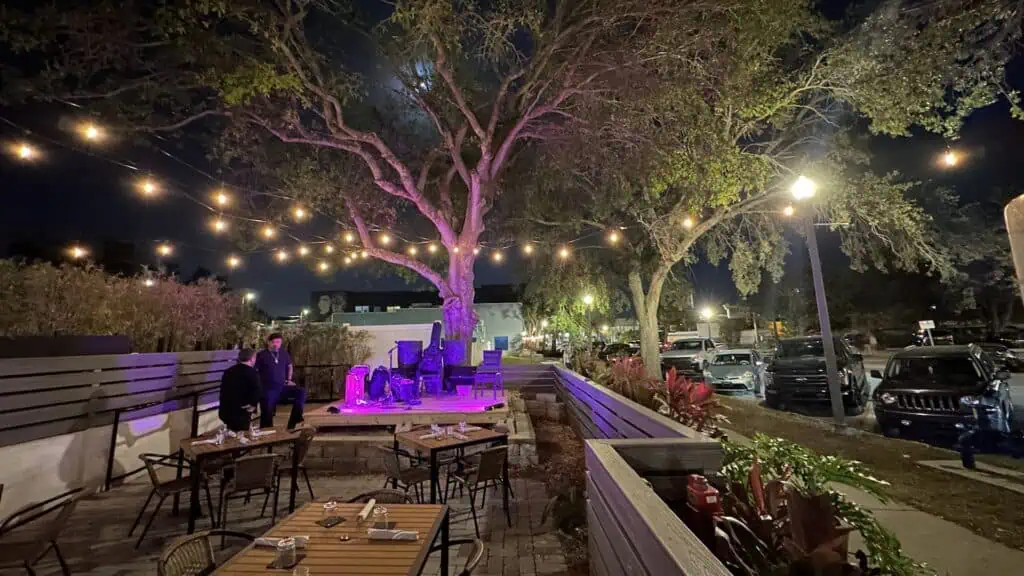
(272, 397)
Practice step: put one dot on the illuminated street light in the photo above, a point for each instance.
(707, 313)
(304, 312)
(604, 328)
(148, 282)
(250, 296)
(164, 250)
(77, 252)
(588, 299)
(803, 188)
(543, 323)
(950, 158)
(788, 211)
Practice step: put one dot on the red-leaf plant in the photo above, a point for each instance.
(690, 402)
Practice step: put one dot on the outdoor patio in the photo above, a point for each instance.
(97, 542)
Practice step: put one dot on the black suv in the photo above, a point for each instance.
(929, 391)
(796, 375)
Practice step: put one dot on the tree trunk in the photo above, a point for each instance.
(457, 309)
(645, 306)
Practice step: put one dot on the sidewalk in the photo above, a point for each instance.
(948, 549)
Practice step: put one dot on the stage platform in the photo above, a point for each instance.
(431, 410)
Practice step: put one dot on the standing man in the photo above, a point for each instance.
(239, 392)
(275, 368)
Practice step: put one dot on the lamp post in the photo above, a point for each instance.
(802, 189)
(588, 301)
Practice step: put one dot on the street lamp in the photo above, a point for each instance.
(249, 297)
(802, 189)
(950, 158)
(588, 299)
(707, 313)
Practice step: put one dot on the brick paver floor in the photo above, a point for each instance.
(97, 540)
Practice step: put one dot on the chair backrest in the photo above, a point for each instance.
(306, 436)
(193, 554)
(151, 461)
(392, 466)
(53, 527)
(385, 496)
(254, 472)
(492, 359)
(492, 463)
(474, 556)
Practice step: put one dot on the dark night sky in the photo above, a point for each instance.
(70, 195)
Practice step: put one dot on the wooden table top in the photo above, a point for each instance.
(280, 435)
(326, 554)
(412, 438)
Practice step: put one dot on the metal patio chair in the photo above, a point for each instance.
(487, 473)
(385, 496)
(475, 555)
(30, 549)
(164, 488)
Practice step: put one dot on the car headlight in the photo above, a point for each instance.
(747, 378)
(887, 398)
(978, 402)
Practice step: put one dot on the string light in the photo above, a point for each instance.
(147, 187)
(476, 251)
(385, 239)
(687, 222)
(268, 232)
(164, 250)
(219, 224)
(364, 255)
(90, 132)
(787, 211)
(25, 152)
(329, 248)
(299, 213)
(497, 257)
(348, 260)
(282, 255)
(77, 252)
(303, 250)
(455, 250)
(432, 248)
(563, 252)
(234, 262)
(323, 266)
(528, 249)
(411, 250)
(349, 238)
(613, 237)
(221, 198)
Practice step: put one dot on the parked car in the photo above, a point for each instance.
(688, 355)
(797, 375)
(736, 370)
(1003, 357)
(928, 391)
(617, 350)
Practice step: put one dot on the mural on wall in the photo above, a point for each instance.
(324, 304)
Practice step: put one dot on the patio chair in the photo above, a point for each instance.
(29, 550)
(193, 554)
(403, 478)
(385, 496)
(487, 473)
(474, 556)
(256, 472)
(164, 488)
(306, 435)
(489, 372)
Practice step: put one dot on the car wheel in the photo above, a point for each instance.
(890, 432)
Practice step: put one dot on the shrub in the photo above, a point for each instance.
(323, 353)
(688, 401)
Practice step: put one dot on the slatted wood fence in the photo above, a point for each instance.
(45, 397)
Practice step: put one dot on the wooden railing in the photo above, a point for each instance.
(636, 459)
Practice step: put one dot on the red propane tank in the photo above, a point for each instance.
(703, 497)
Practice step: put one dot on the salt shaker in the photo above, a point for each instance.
(286, 552)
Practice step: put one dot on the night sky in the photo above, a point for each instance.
(81, 193)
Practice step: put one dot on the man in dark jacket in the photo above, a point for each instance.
(275, 368)
(239, 392)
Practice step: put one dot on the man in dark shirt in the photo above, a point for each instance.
(239, 392)
(275, 368)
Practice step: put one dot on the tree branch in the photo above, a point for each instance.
(395, 258)
(442, 68)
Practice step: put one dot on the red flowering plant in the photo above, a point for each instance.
(690, 402)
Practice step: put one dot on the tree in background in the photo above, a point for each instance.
(462, 87)
(698, 155)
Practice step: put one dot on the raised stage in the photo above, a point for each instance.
(431, 410)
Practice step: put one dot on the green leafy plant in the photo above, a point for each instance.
(324, 353)
(816, 515)
(626, 376)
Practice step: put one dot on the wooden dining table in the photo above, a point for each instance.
(232, 446)
(433, 447)
(326, 554)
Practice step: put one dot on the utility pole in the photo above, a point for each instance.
(831, 366)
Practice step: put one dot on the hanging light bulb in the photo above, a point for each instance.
(90, 132)
(164, 249)
(303, 250)
(349, 238)
(219, 224)
(788, 211)
(329, 248)
(234, 262)
(497, 257)
(613, 237)
(25, 152)
(282, 256)
(455, 250)
(300, 213)
(148, 187)
(687, 222)
(364, 255)
(221, 198)
(476, 251)
(268, 232)
(563, 252)
(528, 249)
(323, 266)
(385, 239)
(348, 260)
(411, 250)
(432, 248)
